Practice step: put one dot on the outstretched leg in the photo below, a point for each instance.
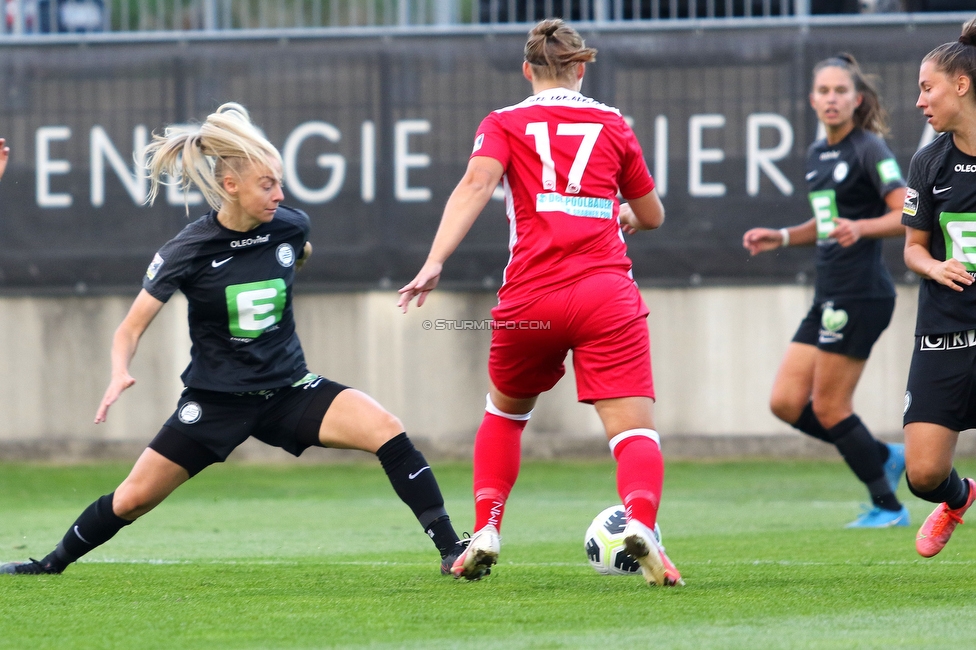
(497, 458)
(151, 480)
(357, 421)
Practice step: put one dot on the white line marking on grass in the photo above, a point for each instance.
(531, 565)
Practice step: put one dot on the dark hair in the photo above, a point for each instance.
(870, 115)
(554, 49)
(958, 57)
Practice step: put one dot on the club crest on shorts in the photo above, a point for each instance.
(832, 319)
(285, 255)
(908, 401)
(190, 413)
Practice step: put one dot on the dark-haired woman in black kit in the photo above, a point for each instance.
(856, 192)
(940, 218)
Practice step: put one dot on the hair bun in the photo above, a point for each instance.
(231, 108)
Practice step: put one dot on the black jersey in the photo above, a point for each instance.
(941, 200)
(851, 180)
(238, 286)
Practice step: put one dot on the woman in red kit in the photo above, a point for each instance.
(562, 158)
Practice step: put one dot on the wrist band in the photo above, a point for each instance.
(785, 234)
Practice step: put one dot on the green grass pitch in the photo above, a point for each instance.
(302, 556)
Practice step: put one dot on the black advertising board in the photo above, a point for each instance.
(375, 131)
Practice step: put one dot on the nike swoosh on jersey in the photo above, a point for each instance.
(940, 190)
(810, 175)
(417, 473)
(215, 263)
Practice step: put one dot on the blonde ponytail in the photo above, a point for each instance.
(200, 154)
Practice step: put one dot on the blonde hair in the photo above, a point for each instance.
(554, 49)
(200, 154)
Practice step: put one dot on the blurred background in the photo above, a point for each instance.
(373, 105)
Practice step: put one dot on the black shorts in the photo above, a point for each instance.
(848, 326)
(208, 425)
(942, 381)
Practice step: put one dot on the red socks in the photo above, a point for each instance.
(640, 473)
(497, 455)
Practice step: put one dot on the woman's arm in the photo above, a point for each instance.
(919, 259)
(124, 345)
(849, 232)
(759, 240)
(467, 201)
(306, 253)
(4, 155)
(644, 213)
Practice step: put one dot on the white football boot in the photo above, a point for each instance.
(477, 559)
(642, 544)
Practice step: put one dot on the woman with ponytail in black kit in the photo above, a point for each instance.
(940, 219)
(856, 193)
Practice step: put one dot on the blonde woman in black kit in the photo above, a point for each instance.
(940, 217)
(856, 192)
(247, 374)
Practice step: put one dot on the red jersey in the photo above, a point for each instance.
(566, 157)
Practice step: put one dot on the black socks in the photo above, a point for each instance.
(861, 452)
(96, 525)
(414, 482)
(810, 425)
(953, 491)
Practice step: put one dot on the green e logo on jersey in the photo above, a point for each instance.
(824, 204)
(254, 307)
(959, 231)
(888, 170)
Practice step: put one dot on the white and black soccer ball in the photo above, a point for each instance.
(604, 543)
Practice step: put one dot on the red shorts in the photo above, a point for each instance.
(601, 318)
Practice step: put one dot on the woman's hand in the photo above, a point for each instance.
(421, 285)
(4, 155)
(951, 273)
(628, 220)
(760, 240)
(306, 253)
(846, 232)
(115, 388)
(144, 308)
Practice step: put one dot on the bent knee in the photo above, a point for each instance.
(830, 414)
(131, 503)
(390, 425)
(926, 477)
(785, 409)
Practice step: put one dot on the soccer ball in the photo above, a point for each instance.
(604, 543)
